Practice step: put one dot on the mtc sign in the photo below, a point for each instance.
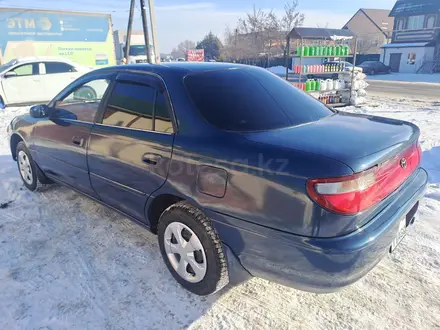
(18, 23)
(21, 23)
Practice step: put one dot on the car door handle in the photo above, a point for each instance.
(77, 140)
(151, 159)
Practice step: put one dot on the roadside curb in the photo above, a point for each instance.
(404, 82)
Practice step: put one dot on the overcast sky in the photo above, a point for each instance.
(192, 19)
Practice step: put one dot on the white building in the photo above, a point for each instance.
(415, 46)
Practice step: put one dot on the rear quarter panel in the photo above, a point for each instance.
(265, 185)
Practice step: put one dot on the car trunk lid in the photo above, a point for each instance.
(359, 141)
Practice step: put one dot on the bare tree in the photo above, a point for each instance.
(367, 44)
(261, 33)
(291, 18)
(182, 47)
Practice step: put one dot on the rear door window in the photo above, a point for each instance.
(251, 100)
(58, 67)
(130, 105)
(138, 104)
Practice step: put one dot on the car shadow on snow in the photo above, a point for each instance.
(68, 259)
(431, 162)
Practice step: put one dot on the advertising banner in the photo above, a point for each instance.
(195, 55)
(83, 38)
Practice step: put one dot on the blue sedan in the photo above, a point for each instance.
(237, 172)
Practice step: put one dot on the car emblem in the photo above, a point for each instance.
(403, 163)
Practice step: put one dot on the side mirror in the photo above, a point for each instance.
(10, 74)
(39, 111)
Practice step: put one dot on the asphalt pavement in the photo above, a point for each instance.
(419, 91)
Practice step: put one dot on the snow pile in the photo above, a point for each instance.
(68, 263)
(278, 70)
(409, 77)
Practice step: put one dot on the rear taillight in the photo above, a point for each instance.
(355, 193)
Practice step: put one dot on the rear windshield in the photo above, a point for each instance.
(251, 100)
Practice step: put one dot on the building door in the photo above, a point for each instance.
(395, 62)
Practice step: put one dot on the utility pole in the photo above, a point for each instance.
(145, 27)
(129, 28)
(153, 30)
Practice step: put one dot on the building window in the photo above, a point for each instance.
(412, 58)
(430, 22)
(416, 22)
(401, 24)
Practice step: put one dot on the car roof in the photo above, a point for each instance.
(42, 58)
(181, 68)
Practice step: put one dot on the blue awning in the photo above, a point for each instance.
(406, 45)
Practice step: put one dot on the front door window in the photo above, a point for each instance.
(83, 102)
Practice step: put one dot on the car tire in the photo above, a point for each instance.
(85, 93)
(31, 175)
(198, 262)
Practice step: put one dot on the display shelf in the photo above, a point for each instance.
(324, 56)
(330, 90)
(317, 73)
(337, 105)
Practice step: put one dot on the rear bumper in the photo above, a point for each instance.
(318, 264)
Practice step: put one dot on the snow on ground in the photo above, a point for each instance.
(408, 77)
(69, 263)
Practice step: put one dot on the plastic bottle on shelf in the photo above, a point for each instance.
(346, 50)
(324, 51)
(306, 51)
(308, 83)
(318, 85)
(313, 85)
(338, 50)
(299, 51)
